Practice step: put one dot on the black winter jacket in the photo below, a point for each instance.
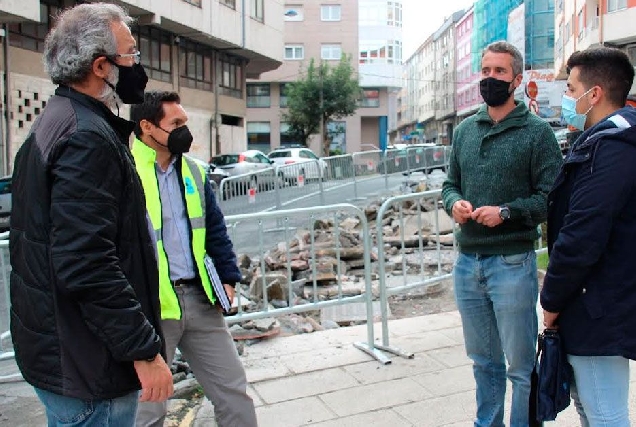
(591, 276)
(84, 280)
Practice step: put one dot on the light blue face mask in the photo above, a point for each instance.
(568, 109)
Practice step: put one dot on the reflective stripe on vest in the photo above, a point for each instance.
(192, 176)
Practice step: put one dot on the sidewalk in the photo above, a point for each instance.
(321, 379)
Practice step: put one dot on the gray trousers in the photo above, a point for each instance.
(205, 342)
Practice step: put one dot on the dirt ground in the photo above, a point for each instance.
(410, 305)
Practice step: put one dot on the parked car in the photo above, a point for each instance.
(566, 138)
(305, 162)
(249, 163)
(562, 138)
(5, 202)
(242, 163)
(216, 174)
(213, 173)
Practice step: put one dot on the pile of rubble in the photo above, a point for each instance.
(328, 262)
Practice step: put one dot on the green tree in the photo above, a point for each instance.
(323, 93)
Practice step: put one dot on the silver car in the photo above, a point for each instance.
(253, 167)
(242, 163)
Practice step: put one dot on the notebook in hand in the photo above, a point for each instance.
(219, 289)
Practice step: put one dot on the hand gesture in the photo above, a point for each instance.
(461, 211)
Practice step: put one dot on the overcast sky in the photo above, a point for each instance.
(422, 17)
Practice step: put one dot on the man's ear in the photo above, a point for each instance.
(101, 67)
(517, 80)
(146, 126)
(597, 93)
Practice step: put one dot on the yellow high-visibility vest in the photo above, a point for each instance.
(193, 178)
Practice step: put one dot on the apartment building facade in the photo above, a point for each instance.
(467, 95)
(367, 30)
(580, 24)
(445, 77)
(205, 50)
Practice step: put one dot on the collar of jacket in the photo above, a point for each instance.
(122, 126)
(518, 117)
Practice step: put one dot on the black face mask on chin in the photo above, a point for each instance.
(494, 91)
(131, 84)
(179, 140)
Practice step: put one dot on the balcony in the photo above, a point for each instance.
(19, 10)
(618, 26)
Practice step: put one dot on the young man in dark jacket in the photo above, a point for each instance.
(589, 291)
(84, 301)
(189, 227)
(503, 164)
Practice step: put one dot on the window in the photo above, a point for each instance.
(231, 83)
(380, 52)
(330, 12)
(31, 36)
(156, 52)
(294, 52)
(194, 2)
(257, 10)
(195, 65)
(229, 3)
(370, 98)
(283, 95)
(614, 5)
(337, 131)
(259, 136)
(285, 137)
(331, 52)
(394, 14)
(294, 13)
(258, 96)
(581, 24)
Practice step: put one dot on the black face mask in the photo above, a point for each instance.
(131, 84)
(179, 140)
(495, 92)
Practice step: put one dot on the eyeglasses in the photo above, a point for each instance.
(136, 56)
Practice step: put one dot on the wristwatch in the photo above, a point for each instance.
(504, 212)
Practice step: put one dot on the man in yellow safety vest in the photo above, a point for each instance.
(188, 226)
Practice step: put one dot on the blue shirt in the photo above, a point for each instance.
(176, 235)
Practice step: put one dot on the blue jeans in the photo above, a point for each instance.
(497, 297)
(71, 412)
(600, 390)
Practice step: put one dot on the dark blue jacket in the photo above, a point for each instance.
(591, 277)
(217, 241)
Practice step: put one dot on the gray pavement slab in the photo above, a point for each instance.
(320, 379)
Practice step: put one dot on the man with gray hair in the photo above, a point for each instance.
(502, 166)
(85, 319)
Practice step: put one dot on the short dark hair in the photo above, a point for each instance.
(152, 108)
(606, 67)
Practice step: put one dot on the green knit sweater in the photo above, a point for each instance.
(514, 163)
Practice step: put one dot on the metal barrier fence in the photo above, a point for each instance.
(279, 187)
(419, 223)
(287, 263)
(6, 347)
(301, 257)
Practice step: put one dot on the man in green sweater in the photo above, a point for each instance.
(503, 164)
